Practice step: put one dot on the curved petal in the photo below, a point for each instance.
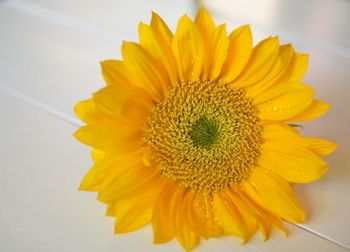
(249, 217)
(262, 59)
(190, 216)
(147, 72)
(278, 72)
(87, 112)
(163, 230)
(279, 132)
(159, 49)
(124, 104)
(205, 24)
(127, 210)
(112, 106)
(318, 146)
(238, 54)
(316, 109)
(161, 28)
(134, 219)
(294, 163)
(287, 105)
(300, 67)
(188, 48)
(229, 217)
(118, 139)
(186, 237)
(265, 218)
(97, 154)
(132, 182)
(274, 194)
(201, 215)
(107, 169)
(115, 105)
(114, 72)
(285, 134)
(248, 207)
(94, 180)
(279, 89)
(217, 52)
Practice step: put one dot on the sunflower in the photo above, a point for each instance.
(194, 133)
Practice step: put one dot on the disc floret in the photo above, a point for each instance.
(204, 135)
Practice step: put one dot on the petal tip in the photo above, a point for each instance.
(77, 134)
(247, 27)
(332, 147)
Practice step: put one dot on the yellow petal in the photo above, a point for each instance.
(205, 24)
(107, 169)
(161, 28)
(147, 156)
(97, 154)
(316, 109)
(279, 132)
(127, 210)
(217, 52)
(147, 72)
(229, 217)
(319, 146)
(125, 104)
(114, 72)
(292, 162)
(135, 219)
(239, 52)
(186, 237)
(190, 217)
(248, 215)
(265, 229)
(159, 49)
(87, 112)
(188, 48)
(265, 218)
(132, 182)
(286, 105)
(262, 59)
(279, 224)
(119, 139)
(300, 67)
(201, 215)
(274, 194)
(163, 230)
(113, 105)
(120, 207)
(278, 72)
(94, 179)
(285, 134)
(279, 89)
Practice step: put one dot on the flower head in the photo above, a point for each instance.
(191, 133)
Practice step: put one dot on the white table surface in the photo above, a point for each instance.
(49, 54)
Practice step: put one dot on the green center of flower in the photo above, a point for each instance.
(204, 135)
(205, 132)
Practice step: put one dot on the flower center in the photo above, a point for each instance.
(204, 135)
(205, 132)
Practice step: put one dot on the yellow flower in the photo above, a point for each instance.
(191, 133)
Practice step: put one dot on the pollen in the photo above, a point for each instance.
(204, 135)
